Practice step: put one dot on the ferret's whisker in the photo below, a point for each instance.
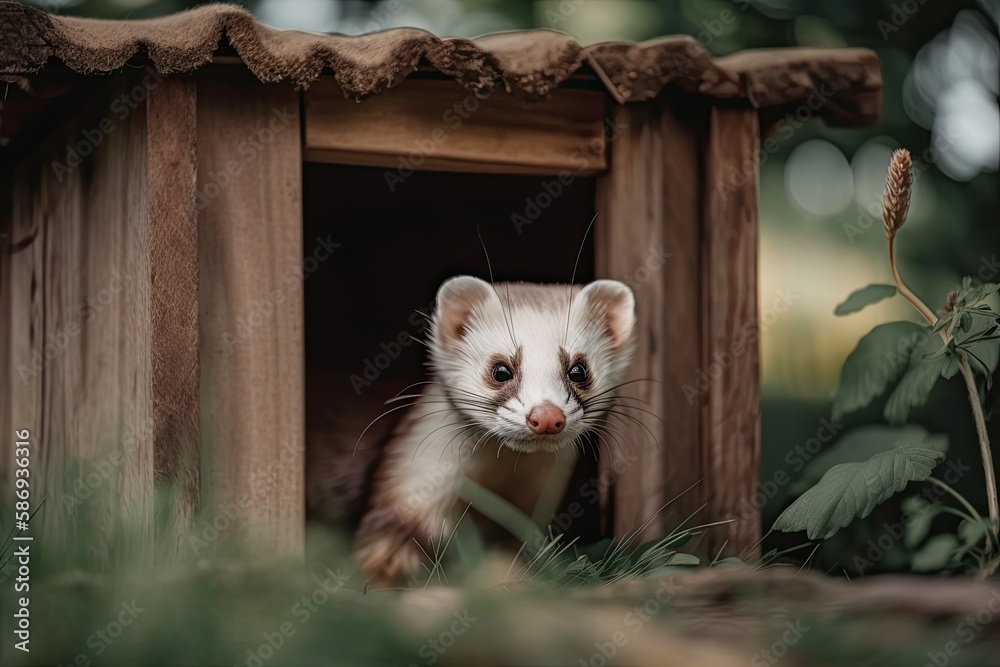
(620, 385)
(627, 407)
(572, 278)
(447, 425)
(489, 267)
(637, 421)
(372, 422)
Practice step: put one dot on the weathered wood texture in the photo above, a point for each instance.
(80, 288)
(436, 125)
(692, 265)
(630, 201)
(173, 250)
(7, 424)
(648, 236)
(730, 353)
(252, 365)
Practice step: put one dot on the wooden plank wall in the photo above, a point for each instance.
(688, 248)
(79, 294)
(135, 399)
(251, 312)
(95, 260)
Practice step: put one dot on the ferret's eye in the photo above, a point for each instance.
(577, 373)
(501, 373)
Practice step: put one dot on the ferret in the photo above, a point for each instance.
(528, 367)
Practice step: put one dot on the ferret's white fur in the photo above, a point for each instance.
(473, 323)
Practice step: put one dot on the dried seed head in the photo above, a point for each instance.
(950, 302)
(896, 198)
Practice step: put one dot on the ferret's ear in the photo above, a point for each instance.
(612, 302)
(457, 298)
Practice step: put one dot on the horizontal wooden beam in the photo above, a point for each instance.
(438, 126)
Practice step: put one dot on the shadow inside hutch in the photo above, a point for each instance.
(396, 246)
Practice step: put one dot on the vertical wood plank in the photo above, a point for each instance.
(20, 281)
(730, 351)
(252, 349)
(7, 325)
(79, 327)
(102, 296)
(628, 231)
(662, 198)
(681, 462)
(171, 179)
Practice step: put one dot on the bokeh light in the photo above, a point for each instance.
(818, 178)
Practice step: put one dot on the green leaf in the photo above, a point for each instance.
(987, 350)
(942, 322)
(865, 296)
(683, 559)
(853, 490)
(970, 296)
(918, 516)
(861, 443)
(915, 386)
(936, 554)
(971, 532)
(878, 360)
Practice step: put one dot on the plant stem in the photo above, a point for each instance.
(977, 409)
(905, 291)
(984, 441)
(976, 516)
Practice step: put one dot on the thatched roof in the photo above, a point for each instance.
(530, 62)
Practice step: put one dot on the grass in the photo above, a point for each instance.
(556, 602)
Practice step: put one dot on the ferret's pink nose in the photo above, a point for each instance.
(546, 419)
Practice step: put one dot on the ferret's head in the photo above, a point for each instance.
(535, 366)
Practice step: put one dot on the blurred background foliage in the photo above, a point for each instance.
(821, 231)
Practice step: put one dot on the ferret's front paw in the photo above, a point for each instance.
(387, 560)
